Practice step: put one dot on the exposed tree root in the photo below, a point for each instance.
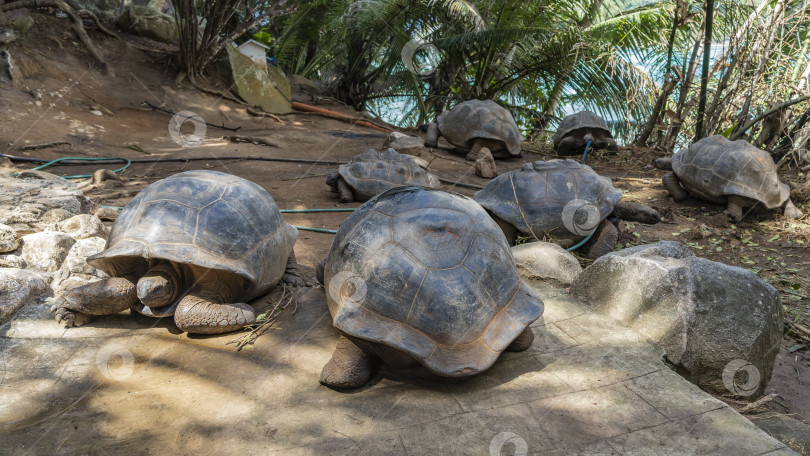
(78, 27)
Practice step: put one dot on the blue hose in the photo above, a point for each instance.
(83, 176)
(571, 249)
(587, 145)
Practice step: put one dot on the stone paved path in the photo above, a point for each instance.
(128, 385)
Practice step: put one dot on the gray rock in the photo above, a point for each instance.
(8, 36)
(76, 260)
(405, 144)
(46, 251)
(36, 201)
(546, 260)
(21, 23)
(148, 22)
(485, 164)
(83, 226)
(8, 239)
(720, 325)
(104, 9)
(19, 287)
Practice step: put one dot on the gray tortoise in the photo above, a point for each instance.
(576, 130)
(734, 173)
(420, 276)
(195, 245)
(475, 124)
(562, 200)
(371, 173)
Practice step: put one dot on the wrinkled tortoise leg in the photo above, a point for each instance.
(604, 240)
(105, 297)
(476, 149)
(349, 367)
(292, 276)
(522, 342)
(319, 271)
(791, 211)
(346, 193)
(570, 146)
(673, 186)
(735, 207)
(432, 138)
(204, 313)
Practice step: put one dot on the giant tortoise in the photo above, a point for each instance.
(372, 173)
(734, 173)
(560, 200)
(475, 124)
(420, 276)
(195, 245)
(576, 130)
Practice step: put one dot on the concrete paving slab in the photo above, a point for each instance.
(126, 384)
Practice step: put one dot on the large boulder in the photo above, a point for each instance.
(720, 325)
(147, 22)
(19, 287)
(546, 260)
(104, 9)
(46, 251)
(37, 201)
(83, 226)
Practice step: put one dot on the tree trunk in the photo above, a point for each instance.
(667, 87)
(761, 68)
(704, 77)
(675, 128)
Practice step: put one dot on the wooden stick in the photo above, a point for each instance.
(46, 145)
(251, 139)
(337, 116)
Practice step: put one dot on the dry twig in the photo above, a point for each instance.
(265, 320)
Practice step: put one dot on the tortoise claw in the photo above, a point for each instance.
(69, 317)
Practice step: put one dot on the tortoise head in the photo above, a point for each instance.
(332, 181)
(160, 286)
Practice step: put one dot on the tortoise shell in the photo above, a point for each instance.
(583, 120)
(372, 172)
(430, 274)
(715, 167)
(557, 198)
(474, 119)
(203, 218)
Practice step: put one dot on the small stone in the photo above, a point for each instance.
(22, 24)
(12, 261)
(405, 144)
(485, 164)
(47, 250)
(107, 213)
(83, 226)
(97, 113)
(8, 239)
(547, 261)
